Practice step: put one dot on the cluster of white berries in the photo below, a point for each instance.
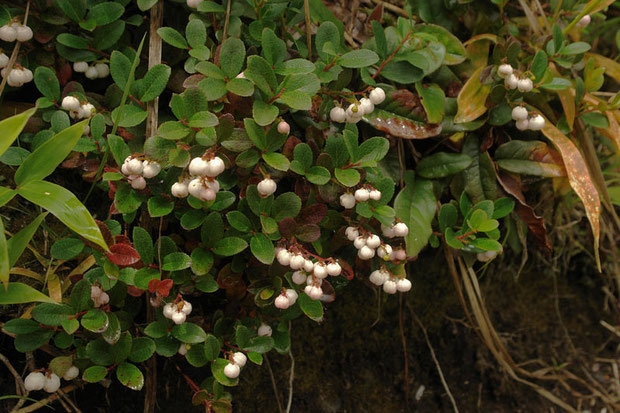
(99, 296)
(234, 366)
(49, 382)
(305, 271)
(136, 171)
(390, 283)
(348, 200)
(523, 84)
(15, 31)
(17, 76)
(358, 109)
(96, 71)
(193, 3)
(287, 298)
(397, 229)
(202, 184)
(584, 21)
(177, 312)
(524, 122)
(76, 108)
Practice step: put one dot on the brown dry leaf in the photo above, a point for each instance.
(567, 98)
(536, 224)
(401, 126)
(579, 178)
(612, 68)
(472, 98)
(477, 48)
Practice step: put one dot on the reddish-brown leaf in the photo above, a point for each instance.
(308, 232)
(105, 232)
(134, 291)
(536, 224)
(312, 214)
(287, 227)
(123, 255)
(400, 126)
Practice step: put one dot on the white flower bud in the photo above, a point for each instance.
(377, 96)
(523, 124)
(150, 169)
(8, 33)
(240, 359)
(519, 113)
(375, 195)
(347, 200)
(216, 167)
(198, 167)
(282, 302)
(103, 70)
(264, 330)
(70, 103)
(337, 114)
(504, 70)
(178, 317)
(284, 257)
(511, 82)
(266, 187)
(373, 241)
(537, 122)
(231, 370)
(299, 277)
(80, 67)
(390, 287)
(351, 233)
(366, 253)
(179, 189)
(367, 106)
(284, 128)
(379, 277)
(525, 85)
(334, 269)
(71, 373)
(91, 73)
(362, 195)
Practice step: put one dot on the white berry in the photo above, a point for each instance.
(264, 330)
(390, 287)
(584, 21)
(71, 373)
(367, 106)
(362, 195)
(240, 359)
(511, 82)
(52, 383)
(193, 3)
(187, 307)
(91, 73)
(347, 200)
(23, 33)
(70, 103)
(297, 262)
(150, 169)
(34, 381)
(178, 317)
(179, 189)
(216, 167)
(8, 34)
(387, 232)
(232, 371)
(519, 113)
(537, 122)
(366, 253)
(337, 114)
(299, 277)
(95, 291)
(384, 252)
(375, 195)
(359, 242)
(525, 85)
(377, 96)
(86, 110)
(401, 229)
(523, 124)
(308, 266)
(182, 349)
(373, 241)
(315, 292)
(504, 70)
(334, 269)
(284, 128)
(403, 285)
(168, 310)
(291, 295)
(137, 182)
(4, 60)
(282, 302)
(207, 194)
(80, 67)
(284, 257)
(351, 233)
(198, 167)
(103, 70)
(320, 270)
(195, 187)
(266, 187)
(378, 277)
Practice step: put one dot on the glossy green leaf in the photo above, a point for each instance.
(46, 81)
(12, 127)
(130, 376)
(262, 248)
(442, 164)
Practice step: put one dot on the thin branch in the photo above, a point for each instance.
(430, 347)
(273, 383)
(225, 31)
(45, 402)
(308, 28)
(403, 339)
(13, 58)
(291, 376)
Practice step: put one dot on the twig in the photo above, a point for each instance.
(392, 7)
(308, 28)
(273, 383)
(157, 14)
(46, 401)
(291, 376)
(18, 377)
(391, 56)
(225, 31)
(403, 340)
(430, 347)
(13, 58)
(69, 401)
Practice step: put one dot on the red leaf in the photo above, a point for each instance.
(287, 227)
(153, 284)
(123, 255)
(164, 287)
(105, 231)
(347, 271)
(312, 214)
(122, 239)
(134, 291)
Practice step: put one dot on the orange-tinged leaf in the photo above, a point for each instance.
(477, 48)
(567, 98)
(612, 68)
(401, 126)
(579, 178)
(472, 98)
(54, 287)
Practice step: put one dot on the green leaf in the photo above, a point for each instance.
(296, 99)
(229, 246)
(130, 376)
(539, 65)
(259, 345)
(12, 127)
(196, 33)
(159, 206)
(113, 331)
(47, 83)
(74, 9)
(433, 100)
(311, 308)
(105, 13)
(348, 177)
(318, 175)
(130, 115)
(189, 333)
(372, 151)
(277, 161)
(455, 51)
(239, 221)
(51, 314)
(32, 341)
(202, 261)
(95, 320)
(479, 177)
(21, 326)
(212, 347)
(120, 68)
(240, 87)
(66, 207)
(118, 147)
(143, 243)
(66, 249)
(286, 205)
(327, 32)
(261, 73)
(448, 216)
(172, 37)
(442, 164)
(274, 48)
(155, 82)
(256, 133)
(232, 56)
(262, 248)
(264, 113)
(472, 99)
(415, 205)
(94, 374)
(18, 242)
(44, 160)
(358, 58)
(295, 66)
(126, 199)
(575, 48)
(176, 261)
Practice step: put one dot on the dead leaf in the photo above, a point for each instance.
(579, 179)
(401, 126)
(472, 98)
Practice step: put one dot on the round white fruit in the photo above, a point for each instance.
(198, 167)
(315, 292)
(266, 187)
(150, 169)
(377, 96)
(240, 359)
(334, 269)
(52, 383)
(169, 310)
(71, 373)
(207, 194)
(367, 106)
(34, 381)
(523, 124)
(366, 253)
(362, 195)
(179, 189)
(284, 257)
(80, 67)
(347, 200)
(584, 21)
(4, 60)
(401, 229)
(390, 287)
(320, 270)
(525, 85)
(297, 262)
(216, 167)
(23, 33)
(187, 308)
(511, 82)
(103, 70)
(504, 70)
(70, 103)
(138, 183)
(337, 114)
(359, 242)
(232, 371)
(299, 277)
(308, 266)
(284, 128)
(373, 241)
(264, 330)
(8, 34)
(537, 122)
(378, 277)
(282, 302)
(91, 73)
(178, 317)
(182, 349)
(291, 295)
(384, 252)
(519, 113)
(403, 285)
(375, 195)
(195, 187)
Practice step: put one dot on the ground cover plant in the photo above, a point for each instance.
(186, 181)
